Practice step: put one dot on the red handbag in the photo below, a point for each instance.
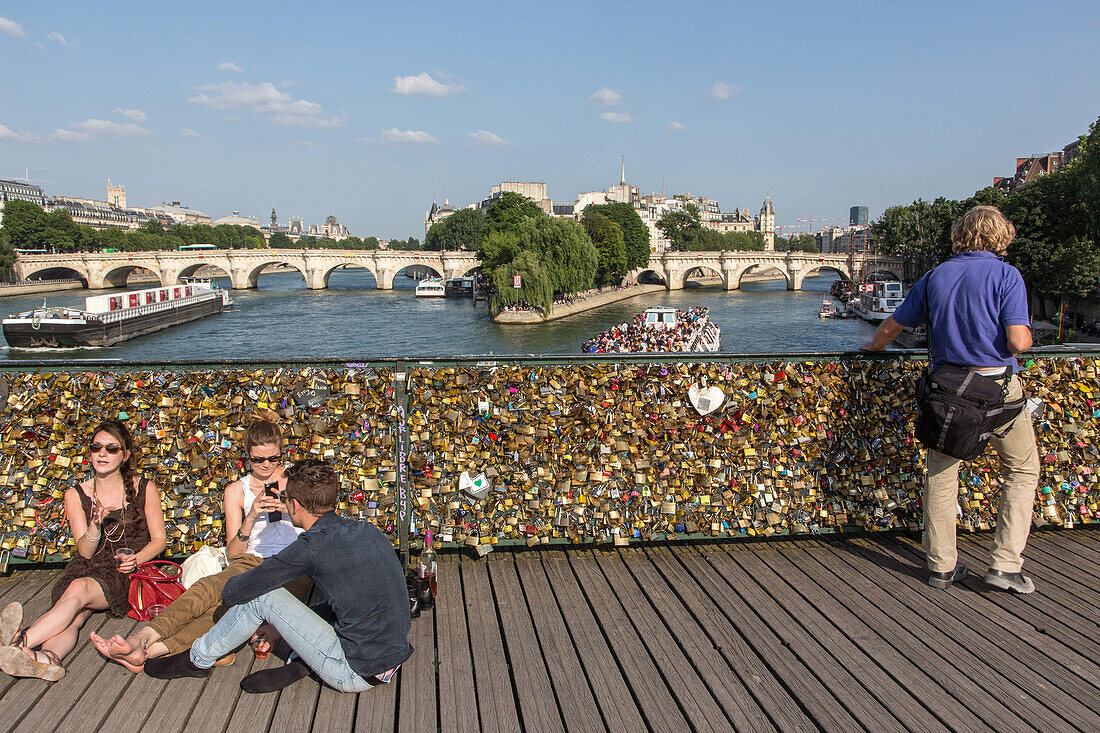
(154, 583)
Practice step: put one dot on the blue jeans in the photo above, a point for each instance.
(311, 637)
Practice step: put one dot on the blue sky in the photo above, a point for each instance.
(369, 111)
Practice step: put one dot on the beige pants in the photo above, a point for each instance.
(1020, 471)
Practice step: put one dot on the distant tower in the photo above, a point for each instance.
(767, 223)
(622, 175)
(858, 215)
(116, 195)
(274, 219)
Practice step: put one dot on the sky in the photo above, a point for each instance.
(371, 111)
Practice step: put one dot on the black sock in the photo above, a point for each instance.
(174, 667)
(276, 678)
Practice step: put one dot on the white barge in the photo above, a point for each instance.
(110, 319)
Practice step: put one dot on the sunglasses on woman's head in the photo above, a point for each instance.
(265, 459)
(112, 448)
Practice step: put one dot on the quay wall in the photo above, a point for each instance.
(566, 449)
(30, 287)
(596, 301)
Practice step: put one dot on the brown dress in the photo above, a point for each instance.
(101, 565)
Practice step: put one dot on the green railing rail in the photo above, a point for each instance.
(538, 449)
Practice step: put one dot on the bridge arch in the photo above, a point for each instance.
(117, 277)
(883, 273)
(704, 270)
(250, 278)
(342, 266)
(735, 276)
(58, 272)
(837, 268)
(192, 270)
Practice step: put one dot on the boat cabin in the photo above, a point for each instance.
(660, 318)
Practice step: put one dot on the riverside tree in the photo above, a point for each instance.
(635, 232)
(607, 237)
(462, 230)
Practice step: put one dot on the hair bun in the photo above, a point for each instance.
(262, 416)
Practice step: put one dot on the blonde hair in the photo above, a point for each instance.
(982, 229)
(263, 428)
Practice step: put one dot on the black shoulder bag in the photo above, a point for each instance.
(959, 410)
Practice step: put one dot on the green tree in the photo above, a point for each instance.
(23, 221)
(7, 253)
(607, 236)
(1086, 172)
(462, 230)
(279, 240)
(635, 232)
(507, 211)
(798, 243)
(681, 226)
(370, 243)
(565, 250)
(153, 226)
(535, 286)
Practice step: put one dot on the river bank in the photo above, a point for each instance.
(595, 301)
(30, 287)
(615, 296)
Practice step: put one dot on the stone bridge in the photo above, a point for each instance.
(675, 267)
(243, 266)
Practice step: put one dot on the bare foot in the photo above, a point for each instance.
(263, 641)
(117, 649)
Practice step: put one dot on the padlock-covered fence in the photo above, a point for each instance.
(538, 450)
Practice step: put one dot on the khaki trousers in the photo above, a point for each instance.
(1020, 472)
(194, 613)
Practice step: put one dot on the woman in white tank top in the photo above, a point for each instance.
(251, 535)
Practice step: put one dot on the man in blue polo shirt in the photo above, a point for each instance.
(975, 305)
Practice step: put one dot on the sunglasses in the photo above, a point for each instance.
(266, 459)
(111, 448)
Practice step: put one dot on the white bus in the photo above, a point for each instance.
(193, 247)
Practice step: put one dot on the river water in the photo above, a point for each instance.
(352, 320)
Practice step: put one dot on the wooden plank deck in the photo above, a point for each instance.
(833, 634)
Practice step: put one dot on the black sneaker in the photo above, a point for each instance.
(1015, 582)
(174, 666)
(944, 579)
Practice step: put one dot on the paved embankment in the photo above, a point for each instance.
(30, 287)
(561, 311)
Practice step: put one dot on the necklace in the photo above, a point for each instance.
(118, 529)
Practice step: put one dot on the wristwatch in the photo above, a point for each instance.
(241, 537)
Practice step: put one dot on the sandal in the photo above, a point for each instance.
(20, 662)
(11, 618)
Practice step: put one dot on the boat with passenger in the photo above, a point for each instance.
(659, 330)
(430, 288)
(110, 319)
(878, 300)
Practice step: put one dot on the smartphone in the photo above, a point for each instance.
(271, 489)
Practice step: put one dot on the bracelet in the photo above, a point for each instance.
(93, 539)
(242, 537)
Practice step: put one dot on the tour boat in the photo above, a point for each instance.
(700, 335)
(460, 287)
(878, 300)
(110, 319)
(430, 288)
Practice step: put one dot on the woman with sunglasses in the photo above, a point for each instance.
(253, 531)
(117, 524)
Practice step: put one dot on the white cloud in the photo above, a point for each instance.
(230, 68)
(723, 91)
(616, 117)
(12, 28)
(607, 97)
(489, 139)
(82, 132)
(266, 100)
(188, 133)
(61, 40)
(675, 126)
(134, 114)
(418, 137)
(6, 133)
(423, 85)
